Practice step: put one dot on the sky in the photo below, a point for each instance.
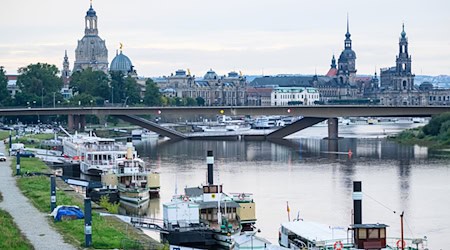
(252, 36)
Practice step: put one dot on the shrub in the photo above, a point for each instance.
(111, 207)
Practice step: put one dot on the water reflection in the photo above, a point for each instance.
(315, 176)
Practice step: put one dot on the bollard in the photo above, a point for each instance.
(87, 222)
(52, 193)
(18, 163)
(10, 143)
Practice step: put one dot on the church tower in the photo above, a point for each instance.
(91, 51)
(65, 73)
(404, 79)
(346, 62)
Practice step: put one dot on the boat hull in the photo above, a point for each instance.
(134, 196)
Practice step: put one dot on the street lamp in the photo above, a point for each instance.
(112, 95)
(42, 97)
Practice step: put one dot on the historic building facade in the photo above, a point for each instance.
(227, 90)
(282, 96)
(91, 51)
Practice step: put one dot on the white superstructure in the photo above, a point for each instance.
(94, 154)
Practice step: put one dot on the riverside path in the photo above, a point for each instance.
(31, 222)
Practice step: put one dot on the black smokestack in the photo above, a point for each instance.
(210, 162)
(357, 202)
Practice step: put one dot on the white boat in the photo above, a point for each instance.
(226, 128)
(142, 134)
(94, 154)
(133, 180)
(268, 122)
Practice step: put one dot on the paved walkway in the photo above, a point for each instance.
(33, 224)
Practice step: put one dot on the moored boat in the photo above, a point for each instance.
(205, 212)
(308, 235)
(94, 154)
(133, 180)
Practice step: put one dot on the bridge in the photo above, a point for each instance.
(311, 114)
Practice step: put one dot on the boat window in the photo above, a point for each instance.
(362, 233)
(382, 233)
(373, 233)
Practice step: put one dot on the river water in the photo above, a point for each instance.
(315, 176)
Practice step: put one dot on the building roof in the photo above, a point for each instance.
(211, 75)
(332, 72)
(301, 81)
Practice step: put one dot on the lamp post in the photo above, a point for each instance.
(42, 97)
(54, 103)
(112, 96)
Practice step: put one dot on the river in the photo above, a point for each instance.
(306, 171)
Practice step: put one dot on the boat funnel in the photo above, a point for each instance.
(357, 202)
(129, 149)
(210, 163)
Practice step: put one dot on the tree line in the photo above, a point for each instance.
(40, 86)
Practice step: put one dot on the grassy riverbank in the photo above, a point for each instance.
(436, 134)
(107, 232)
(10, 235)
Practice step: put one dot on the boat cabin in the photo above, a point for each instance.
(369, 236)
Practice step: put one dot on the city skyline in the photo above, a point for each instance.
(255, 37)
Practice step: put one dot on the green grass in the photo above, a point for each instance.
(4, 134)
(10, 235)
(107, 233)
(30, 165)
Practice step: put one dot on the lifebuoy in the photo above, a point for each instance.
(400, 245)
(241, 196)
(185, 198)
(338, 245)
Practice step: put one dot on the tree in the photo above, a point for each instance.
(94, 83)
(118, 87)
(4, 94)
(37, 81)
(152, 94)
(190, 101)
(200, 101)
(132, 91)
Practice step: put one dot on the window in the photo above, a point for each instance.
(362, 233)
(373, 233)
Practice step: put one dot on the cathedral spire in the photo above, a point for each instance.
(333, 62)
(403, 34)
(348, 41)
(65, 73)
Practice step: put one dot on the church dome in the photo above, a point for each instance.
(210, 75)
(347, 54)
(121, 63)
(91, 12)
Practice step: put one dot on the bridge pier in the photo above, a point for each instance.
(76, 122)
(333, 127)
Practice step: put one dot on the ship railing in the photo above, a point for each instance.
(409, 243)
(99, 162)
(185, 225)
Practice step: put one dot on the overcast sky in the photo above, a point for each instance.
(252, 36)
